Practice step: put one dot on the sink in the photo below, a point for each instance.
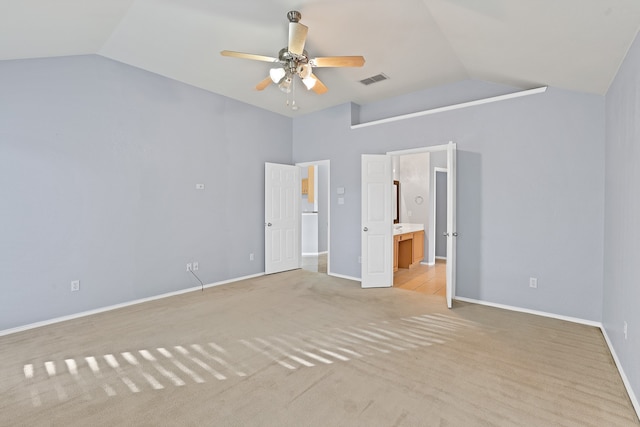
(407, 228)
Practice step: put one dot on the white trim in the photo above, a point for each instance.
(342, 276)
(529, 311)
(453, 107)
(314, 253)
(428, 149)
(625, 380)
(441, 257)
(121, 305)
(427, 263)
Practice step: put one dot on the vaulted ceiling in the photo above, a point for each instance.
(571, 44)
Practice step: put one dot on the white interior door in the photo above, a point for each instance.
(281, 218)
(451, 223)
(377, 222)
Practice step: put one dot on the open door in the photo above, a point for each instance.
(451, 234)
(377, 222)
(281, 218)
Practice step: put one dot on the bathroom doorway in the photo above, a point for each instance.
(315, 219)
(425, 172)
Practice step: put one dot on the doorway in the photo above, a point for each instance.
(315, 208)
(378, 232)
(426, 172)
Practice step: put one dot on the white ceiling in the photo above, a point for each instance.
(571, 44)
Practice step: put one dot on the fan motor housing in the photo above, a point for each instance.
(294, 16)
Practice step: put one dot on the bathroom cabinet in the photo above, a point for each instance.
(408, 249)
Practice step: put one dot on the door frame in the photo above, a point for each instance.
(328, 202)
(450, 149)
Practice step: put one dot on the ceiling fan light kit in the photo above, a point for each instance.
(294, 60)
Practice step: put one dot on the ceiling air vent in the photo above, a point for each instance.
(374, 79)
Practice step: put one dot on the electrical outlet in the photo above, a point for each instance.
(250, 257)
(199, 186)
(533, 282)
(195, 266)
(625, 329)
(75, 286)
(189, 267)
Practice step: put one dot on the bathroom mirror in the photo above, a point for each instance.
(396, 202)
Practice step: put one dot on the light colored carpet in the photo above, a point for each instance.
(306, 349)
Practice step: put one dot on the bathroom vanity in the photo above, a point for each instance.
(408, 245)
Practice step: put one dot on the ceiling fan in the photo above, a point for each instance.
(294, 60)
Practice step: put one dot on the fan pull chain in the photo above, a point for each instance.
(294, 107)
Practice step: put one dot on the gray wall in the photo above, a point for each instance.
(414, 182)
(441, 214)
(530, 192)
(438, 160)
(622, 210)
(98, 166)
(323, 208)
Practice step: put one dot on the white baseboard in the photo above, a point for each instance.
(430, 264)
(625, 380)
(529, 311)
(121, 305)
(342, 276)
(441, 257)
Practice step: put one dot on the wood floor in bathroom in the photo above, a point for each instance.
(428, 279)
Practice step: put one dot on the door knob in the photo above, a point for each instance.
(268, 224)
(455, 234)
(365, 229)
(445, 234)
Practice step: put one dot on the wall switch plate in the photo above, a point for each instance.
(533, 282)
(340, 190)
(189, 267)
(250, 257)
(625, 329)
(195, 266)
(341, 200)
(199, 186)
(75, 285)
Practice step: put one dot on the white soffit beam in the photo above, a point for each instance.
(453, 107)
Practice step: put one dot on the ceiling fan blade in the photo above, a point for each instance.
(297, 37)
(248, 56)
(338, 61)
(264, 83)
(319, 87)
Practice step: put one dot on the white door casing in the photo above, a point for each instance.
(452, 233)
(376, 225)
(281, 218)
